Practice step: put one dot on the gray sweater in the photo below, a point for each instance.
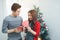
(11, 22)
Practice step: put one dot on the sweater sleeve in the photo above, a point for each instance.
(37, 29)
(4, 26)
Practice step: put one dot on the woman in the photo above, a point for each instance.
(34, 26)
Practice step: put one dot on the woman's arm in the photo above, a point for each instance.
(33, 32)
(30, 30)
(36, 29)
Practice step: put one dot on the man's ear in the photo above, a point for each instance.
(13, 11)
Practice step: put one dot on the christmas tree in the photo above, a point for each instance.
(44, 29)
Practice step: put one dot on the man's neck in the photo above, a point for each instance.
(13, 15)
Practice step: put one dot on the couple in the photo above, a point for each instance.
(13, 21)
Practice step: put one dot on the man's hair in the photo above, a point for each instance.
(15, 6)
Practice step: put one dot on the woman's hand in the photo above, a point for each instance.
(28, 28)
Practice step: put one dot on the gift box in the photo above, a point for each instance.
(25, 23)
(20, 28)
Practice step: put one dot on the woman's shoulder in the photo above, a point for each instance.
(37, 22)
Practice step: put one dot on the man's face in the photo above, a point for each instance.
(16, 13)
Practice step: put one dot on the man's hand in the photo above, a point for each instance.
(17, 30)
(11, 30)
(14, 30)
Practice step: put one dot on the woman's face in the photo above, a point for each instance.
(30, 16)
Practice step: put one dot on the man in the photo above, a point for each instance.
(11, 22)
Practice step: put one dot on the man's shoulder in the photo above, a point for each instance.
(20, 17)
(6, 18)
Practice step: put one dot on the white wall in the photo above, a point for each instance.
(51, 12)
(26, 6)
(49, 8)
(2, 5)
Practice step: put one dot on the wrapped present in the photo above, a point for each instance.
(25, 23)
(20, 28)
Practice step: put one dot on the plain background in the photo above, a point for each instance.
(49, 8)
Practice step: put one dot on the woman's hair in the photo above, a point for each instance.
(15, 6)
(33, 14)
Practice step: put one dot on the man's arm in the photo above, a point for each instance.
(5, 27)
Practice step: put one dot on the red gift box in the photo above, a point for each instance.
(25, 23)
(20, 28)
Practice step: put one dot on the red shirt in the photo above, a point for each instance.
(37, 30)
